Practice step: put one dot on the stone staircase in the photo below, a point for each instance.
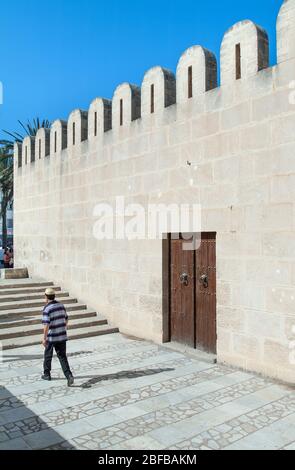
(21, 303)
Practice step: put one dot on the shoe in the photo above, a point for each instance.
(70, 381)
(46, 377)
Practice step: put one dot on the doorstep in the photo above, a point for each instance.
(193, 353)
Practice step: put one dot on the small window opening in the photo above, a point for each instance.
(95, 124)
(55, 142)
(190, 82)
(74, 133)
(39, 149)
(121, 112)
(238, 62)
(152, 99)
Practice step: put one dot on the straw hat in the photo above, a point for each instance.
(50, 291)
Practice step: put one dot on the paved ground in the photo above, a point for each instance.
(131, 394)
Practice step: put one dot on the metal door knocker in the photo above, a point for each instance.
(204, 280)
(184, 279)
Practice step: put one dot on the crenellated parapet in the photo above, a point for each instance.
(99, 118)
(126, 105)
(286, 31)
(196, 73)
(28, 150)
(17, 155)
(42, 144)
(158, 91)
(244, 54)
(77, 127)
(58, 136)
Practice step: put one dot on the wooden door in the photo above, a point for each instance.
(182, 308)
(206, 293)
(192, 303)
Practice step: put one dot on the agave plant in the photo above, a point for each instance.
(6, 164)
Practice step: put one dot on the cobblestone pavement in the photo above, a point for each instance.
(132, 394)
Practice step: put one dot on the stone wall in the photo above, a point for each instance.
(240, 140)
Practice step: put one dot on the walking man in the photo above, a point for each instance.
(55, 321)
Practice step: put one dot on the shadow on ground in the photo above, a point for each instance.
(128, 374)
(19, 425)
(13, 411)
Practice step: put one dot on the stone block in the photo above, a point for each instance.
(15, 273)
(232, 319)
(277, 353)
(205, 125)
(235, 116)
(247, 346)
(256, 137)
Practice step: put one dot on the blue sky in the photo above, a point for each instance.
(59, 55)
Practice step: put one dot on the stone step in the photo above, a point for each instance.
(24, 312)
(21, 297)
(22, 283)
(21, 304)
(25, 290)
(76, 333)
(36, 319)
(19, 331)
(32, 303)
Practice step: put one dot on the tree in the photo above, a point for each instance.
(6, 165)
(6, 189)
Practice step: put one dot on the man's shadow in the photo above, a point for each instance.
(128, 374)
(93, 379)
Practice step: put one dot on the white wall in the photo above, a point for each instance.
(240, 138)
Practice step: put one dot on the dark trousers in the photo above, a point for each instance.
(61, 351)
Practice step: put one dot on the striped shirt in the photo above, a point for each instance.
(55, 315)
